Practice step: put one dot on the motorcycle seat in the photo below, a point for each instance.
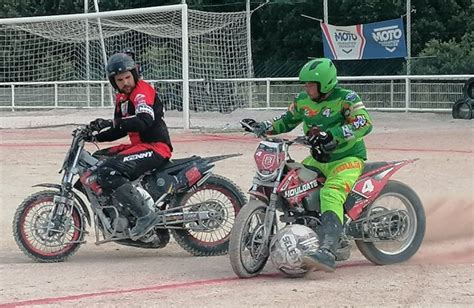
(372, 166)
(178, 162)
(367, 167)
(174, 165)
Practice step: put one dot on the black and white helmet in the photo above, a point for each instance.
(120, 63)
(288, 247)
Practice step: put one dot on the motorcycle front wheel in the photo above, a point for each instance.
(247, 249)
(43, 238)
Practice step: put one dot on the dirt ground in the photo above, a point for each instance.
(440, 274)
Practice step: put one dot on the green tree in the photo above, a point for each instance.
(449, 51)
(449, 57)
(7, 9)
(282, 40)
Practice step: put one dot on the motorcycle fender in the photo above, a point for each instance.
(369, 185)
(82, 204)
(258, 196)
(195, 175)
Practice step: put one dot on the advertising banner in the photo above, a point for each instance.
(378, 40)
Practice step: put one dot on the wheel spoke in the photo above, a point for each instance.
(211, 199)
(391, 202)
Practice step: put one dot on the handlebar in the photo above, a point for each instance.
(244, 124)
(298, 140)
(82, 129)
(82, 132)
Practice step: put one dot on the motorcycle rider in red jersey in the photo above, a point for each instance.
(138, 114)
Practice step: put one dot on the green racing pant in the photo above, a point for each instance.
(341, 176)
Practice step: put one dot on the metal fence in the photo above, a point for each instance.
(395, 93)
(407, 93)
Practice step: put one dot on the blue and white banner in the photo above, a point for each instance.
(378, 40)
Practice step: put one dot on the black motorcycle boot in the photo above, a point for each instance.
(129, 196)
(325, 257)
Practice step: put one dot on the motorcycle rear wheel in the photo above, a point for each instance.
(31, 234)
(377, 252)
(219, 194)
(247, 256)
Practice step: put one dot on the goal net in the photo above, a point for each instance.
(74, 50)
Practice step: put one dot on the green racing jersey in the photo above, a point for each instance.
(342, 113)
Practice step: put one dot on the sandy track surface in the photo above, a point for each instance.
(441, 273)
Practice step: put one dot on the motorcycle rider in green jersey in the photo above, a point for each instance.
(335, 121)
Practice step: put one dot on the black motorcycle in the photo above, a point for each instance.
(197, 206)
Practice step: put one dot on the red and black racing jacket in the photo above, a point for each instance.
(140, 115)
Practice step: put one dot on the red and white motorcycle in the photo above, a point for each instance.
(190, 201)
(384, 217)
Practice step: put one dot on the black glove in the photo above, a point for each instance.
(323, 141)
(258, 128)
(248, 122)
(322, 144)
(99, 124)
(89, 137)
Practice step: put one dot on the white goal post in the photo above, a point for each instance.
(185, 53)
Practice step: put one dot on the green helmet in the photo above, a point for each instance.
(322, 71)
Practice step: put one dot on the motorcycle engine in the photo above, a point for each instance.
(110, 214)
(122, 223)
(158, 184)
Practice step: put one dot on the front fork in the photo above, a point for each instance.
(268, 225)
(64, 201)
(60, 214)
(269, 218)
(270, 213)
